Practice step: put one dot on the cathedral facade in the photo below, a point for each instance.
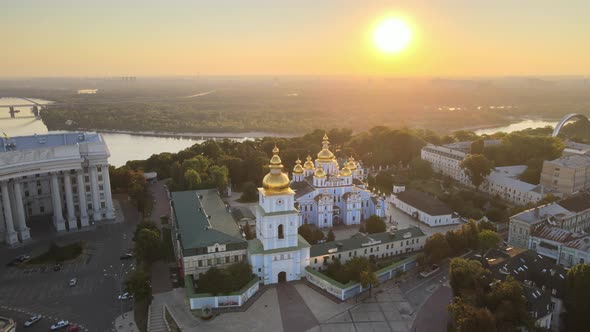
(328, 195)
(321, 194)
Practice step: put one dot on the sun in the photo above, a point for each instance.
(392, 35)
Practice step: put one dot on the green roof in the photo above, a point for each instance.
(203, 219)
(255, 246)
(360, 240)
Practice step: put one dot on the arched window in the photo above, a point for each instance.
(281, 233)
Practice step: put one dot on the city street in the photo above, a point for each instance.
(92, 303)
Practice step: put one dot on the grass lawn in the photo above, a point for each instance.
(56, 253)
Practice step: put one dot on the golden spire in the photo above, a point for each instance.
(298, 169)
(275, 181)
(308, 163)
(319, 172)
(345, 171)
(325, 155)
(351, 164)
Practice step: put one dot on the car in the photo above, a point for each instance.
(126, 256)
(59, 325)
(73, 282)
(33, 320)
(57, 267)
(125, 296)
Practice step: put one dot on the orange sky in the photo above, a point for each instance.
(450, 38)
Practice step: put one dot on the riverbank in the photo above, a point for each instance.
(197, 136)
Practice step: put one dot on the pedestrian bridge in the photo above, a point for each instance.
(565, 119)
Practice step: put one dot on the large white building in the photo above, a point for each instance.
(424, 207)
(502, 181)
(64, 176)
(328, 195)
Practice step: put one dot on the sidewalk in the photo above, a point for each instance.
(126, 323)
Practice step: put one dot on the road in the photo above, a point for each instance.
(431, 296)
(93, 302)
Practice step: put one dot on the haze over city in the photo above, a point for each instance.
(168, 38)
(294, 166)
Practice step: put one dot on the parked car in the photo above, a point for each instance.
(33, 320)
(59, 325)
(57, 267)
(73, 282)
(126, 256)
(433, 269)
(73, 328)
(125, 296)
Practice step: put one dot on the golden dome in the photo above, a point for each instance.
(298, 169)
(275, 180)
(345, 171)
(319, 172)
(351, 164)
(325, 154)
(308, 163)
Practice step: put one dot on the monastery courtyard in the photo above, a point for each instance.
(295, 306)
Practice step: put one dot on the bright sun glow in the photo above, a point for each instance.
(392, 35)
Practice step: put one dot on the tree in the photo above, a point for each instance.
(421, 169)
(198, 163)
(138, 284)
(192, 179)
(509, 306)
(249, 192)
(310, 233)
(330, 237)
(356, 265)
(146, 224)
(147, 246)
(576, 302)
(375, 224)
(477, 146)
(468, 318)
(468, 279)
(436, 248)
(227, 280)
(477, 167)
(368, 279)
(219, 176)
(487, 239)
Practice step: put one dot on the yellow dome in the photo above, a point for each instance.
(325, 154)
(319, 172)
(298, 169)
(345, 171)
(275, 180)
(351, 164)
(308, 163)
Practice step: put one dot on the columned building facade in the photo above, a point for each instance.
(64, 176)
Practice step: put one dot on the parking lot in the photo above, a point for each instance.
(92, 303)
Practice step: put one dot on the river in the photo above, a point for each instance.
(123, 147)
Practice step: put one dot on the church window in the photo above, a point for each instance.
(365, 251)
(209, 261)
(315, 261)
(200, 263)
(371, 249)
(311, 208)
(226, 259)
(349, 253)
(259, 269)
(281, 234)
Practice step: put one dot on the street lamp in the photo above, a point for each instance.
(119, 277)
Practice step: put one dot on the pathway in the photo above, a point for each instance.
(295, 314)
(433, 315)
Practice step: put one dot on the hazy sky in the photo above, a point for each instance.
(175, 37)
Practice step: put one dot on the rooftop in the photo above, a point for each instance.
(555, 234)
(576, 203)
(544, 212)
(23, 143)
(203, 219)
(424, 202)
(529, 266)
(360, 240)
(242, 213)
(582, 244)
(572, 161)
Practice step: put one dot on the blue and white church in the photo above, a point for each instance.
(321, 194)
